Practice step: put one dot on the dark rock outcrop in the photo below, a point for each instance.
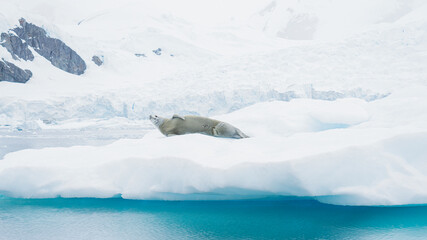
(158, 51)
(11, 73)
(54, 50)
(97, 60)
(16, 47)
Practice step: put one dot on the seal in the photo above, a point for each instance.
(179, 125)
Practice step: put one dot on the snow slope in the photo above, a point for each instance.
(331, 92)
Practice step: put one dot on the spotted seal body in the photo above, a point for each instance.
(179, 125)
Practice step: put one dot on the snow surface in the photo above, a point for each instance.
(332, 94)
(338, 151)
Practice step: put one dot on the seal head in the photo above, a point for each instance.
(156, 120)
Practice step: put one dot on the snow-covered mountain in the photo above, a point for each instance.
(337, 80)
(235, 52)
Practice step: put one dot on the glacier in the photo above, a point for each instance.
(336, 111)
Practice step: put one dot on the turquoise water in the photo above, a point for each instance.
(263, 219)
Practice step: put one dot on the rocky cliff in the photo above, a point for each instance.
(20, 42)
(11, 73)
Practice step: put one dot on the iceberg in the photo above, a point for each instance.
(338, 152)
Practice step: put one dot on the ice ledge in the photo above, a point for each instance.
(388, 172)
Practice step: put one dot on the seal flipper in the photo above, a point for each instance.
(241, 134)
(177, 116)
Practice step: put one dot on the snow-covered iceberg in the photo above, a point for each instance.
(336, 151)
